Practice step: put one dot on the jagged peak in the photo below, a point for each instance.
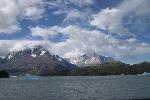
(90, 59)
(33, 51)
(10, 54)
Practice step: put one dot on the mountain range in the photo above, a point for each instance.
(39, 60)
(89, 60)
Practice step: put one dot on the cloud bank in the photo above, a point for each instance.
(13, 10)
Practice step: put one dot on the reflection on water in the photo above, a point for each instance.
(76, 88)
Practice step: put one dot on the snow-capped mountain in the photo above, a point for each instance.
(36, 58)
(32, 52)
(87, 60)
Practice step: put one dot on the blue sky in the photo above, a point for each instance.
(71, 28)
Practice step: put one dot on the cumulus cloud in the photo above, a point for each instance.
(75, 11)
(111, 19)
(81, 3)
(46, 32)
(11, 10)
(64, 3)
(139, 7)
(32, 9)
(73, 15)
(8, 16)
(79, 42)
(82, 41)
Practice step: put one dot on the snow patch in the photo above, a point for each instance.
(33, 55)
(73, 61)
(42, 52)
(59, 59)
(10, 56)
(86, 61)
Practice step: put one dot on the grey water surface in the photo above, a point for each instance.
(76, 88)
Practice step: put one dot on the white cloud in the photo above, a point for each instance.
(8, 16)
(34, 14)
(32, 9)
(46, 32)
(12, 10)
(76, 17)
(111, 19)
(139, 7)
(132, 40)
(82, 41)
(41, 32)
(74, 14)
(81, 3)
(73, 53)
(64, 3)
(70, 8)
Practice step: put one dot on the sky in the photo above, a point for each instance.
(71, 28)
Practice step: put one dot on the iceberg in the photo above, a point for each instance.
(30, 77)
(145, 73)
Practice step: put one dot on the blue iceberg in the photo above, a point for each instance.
(30, 77)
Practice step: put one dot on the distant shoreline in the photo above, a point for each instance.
(98, 70)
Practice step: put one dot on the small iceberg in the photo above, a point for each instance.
(145, 73)
(30, 77)
(13, 76)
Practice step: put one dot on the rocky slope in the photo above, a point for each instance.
(35, 59)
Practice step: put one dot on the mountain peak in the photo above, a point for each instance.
(33, 52)
(36, 58)
(39, 50)
(91, 59)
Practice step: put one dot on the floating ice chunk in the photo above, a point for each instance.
(145, 73)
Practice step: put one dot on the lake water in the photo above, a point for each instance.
(76, 88)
